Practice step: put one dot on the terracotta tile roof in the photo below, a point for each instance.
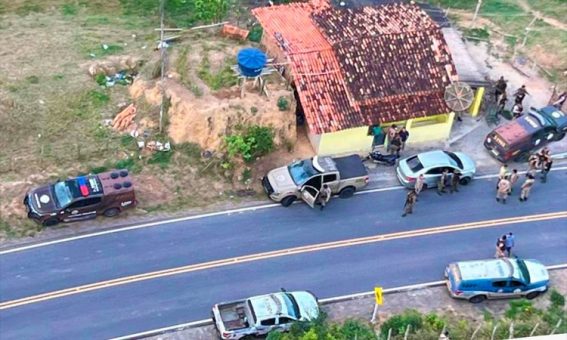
(371, 65)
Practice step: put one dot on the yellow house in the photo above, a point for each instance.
(360, 70)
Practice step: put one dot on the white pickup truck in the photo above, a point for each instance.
(259, 315)
(304, 179)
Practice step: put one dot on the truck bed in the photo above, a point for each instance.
(350, 166)
(234, 315)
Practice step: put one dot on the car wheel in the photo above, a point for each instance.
(111, 212)
(532, 295)
(465, 180)
(424, 187)
(477, 298)
(347, 192)
(50, 222)
(559, 136)
(287, 201)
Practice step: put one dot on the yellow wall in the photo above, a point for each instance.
(356, 140)
(345, 141)
(429, 129)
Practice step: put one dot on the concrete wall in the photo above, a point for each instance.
(345, 141)
(357, 140)
(428, 129)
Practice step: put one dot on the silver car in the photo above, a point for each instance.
(431, 164)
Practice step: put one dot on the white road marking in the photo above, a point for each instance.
(195, 217)
(208, 322)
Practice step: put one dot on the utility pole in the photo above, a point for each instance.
(476, 12)
(162, 51)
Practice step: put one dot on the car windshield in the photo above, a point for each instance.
(456, 160)
(301, 171)
(63, 194)
(414, 164)
(524, 271)
(292, 306)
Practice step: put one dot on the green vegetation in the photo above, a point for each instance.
(225, 77)
(322, 329)
(283, 103)
(552, 8)
(255, 34)
(182, 66)
(479, 33)
(69, 9)
(250, 142)
(161, 158)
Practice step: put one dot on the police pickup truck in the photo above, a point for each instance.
(262, 314)
(304, 179)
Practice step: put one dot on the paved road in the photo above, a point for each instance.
(161, 302)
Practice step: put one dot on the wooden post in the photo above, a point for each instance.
(478, 4)
(527, 29)
(373, 320)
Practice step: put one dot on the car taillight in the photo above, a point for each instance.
(458, 292)
(410, 179)
(225, 334)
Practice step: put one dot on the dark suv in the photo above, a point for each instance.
(517, 139)
(81, 198)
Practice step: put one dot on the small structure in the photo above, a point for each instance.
(359, 70)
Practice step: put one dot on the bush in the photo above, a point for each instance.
(161, 158)
(129, 163)
(399, 323)
(557, 300)
(255, 34)
(520, 309)
(256, 141)
(283, 103)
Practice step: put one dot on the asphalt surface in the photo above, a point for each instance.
(161, 302)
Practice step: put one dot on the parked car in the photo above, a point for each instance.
(515, 140)
(432, 164)
(477, 281)
(304, 179)
(81, 198)
(259, 315)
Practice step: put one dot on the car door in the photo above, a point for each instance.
(432, 176)
(284, 323)
(515, 288)
(266, 326)
(82, 209)
(309, 195)
(332, 180)
(498, 289)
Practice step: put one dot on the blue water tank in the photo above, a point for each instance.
(251, 61)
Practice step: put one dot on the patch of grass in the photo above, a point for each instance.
(458, 4)
(108, 49)
(32, 79)
(97, 98)
(551, 8)
(127, 141)
(130, 163)
(191, 150)
(58, 76)
(161, 158)
(182, 66)
(97, 20)
(69, 9)
(98, 169)
(225, 77)
(28, 7)
(480, 33)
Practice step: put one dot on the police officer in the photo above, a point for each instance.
(324, 196)
(411, 198)
(442, 181)
(527, 187)
(455, 181)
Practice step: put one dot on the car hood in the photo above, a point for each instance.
(538, 272)
(41, 200)
(308, 306)
(469, 166)
(281, 180)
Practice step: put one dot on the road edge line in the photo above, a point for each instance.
(327, 301)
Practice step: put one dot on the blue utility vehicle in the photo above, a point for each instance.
(477, 281)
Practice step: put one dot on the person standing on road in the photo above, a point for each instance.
(526, 188)
(503, 189)
(520, 94)
(533, 163)
(324, 196)
(509, 243)
(419, 184)
(396, 145)
(502, 173)
(501, 104)
(500, 247)
(404, 135)
(392, 133)
(500, 88)
(513, 179)
(441, 183)
(545, 168)
(455, 181)
(411, 198)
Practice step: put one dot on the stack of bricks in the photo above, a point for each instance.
(234, 32)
